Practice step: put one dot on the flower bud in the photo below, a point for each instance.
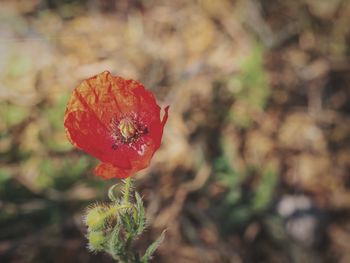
(98, 217)
(95, 218)
(96, 240)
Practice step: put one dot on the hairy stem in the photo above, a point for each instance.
(127, 186)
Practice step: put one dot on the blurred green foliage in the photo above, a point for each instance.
(253, 80)
(19, 65)
(62, 174)
(241, 202)
(250, 188)
(54, 114)
(11, 115)
(249, 87)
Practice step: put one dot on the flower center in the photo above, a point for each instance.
(127, 128)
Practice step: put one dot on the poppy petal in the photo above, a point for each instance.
(88, 134)
(108, 171)
(165, 117)
(143, 150)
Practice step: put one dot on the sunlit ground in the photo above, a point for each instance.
(254, 163)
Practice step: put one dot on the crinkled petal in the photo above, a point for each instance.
(87, 133)
(104, 96)
(142, 151)
(109, 171)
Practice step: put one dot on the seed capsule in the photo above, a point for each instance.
(127, 128)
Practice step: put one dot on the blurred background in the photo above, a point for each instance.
(254, 164)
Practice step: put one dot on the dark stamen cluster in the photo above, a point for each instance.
(127, 130)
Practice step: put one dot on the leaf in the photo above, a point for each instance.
(152, 248)
(265, 190)
(111, 195)
(116, 246)
(128, 223)
(140, 215)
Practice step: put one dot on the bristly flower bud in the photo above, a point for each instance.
(98, 216)
(114, 226)
(96, 240)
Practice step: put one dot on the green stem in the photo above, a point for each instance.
(127, 190)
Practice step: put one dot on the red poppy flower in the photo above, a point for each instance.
(117, 121)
